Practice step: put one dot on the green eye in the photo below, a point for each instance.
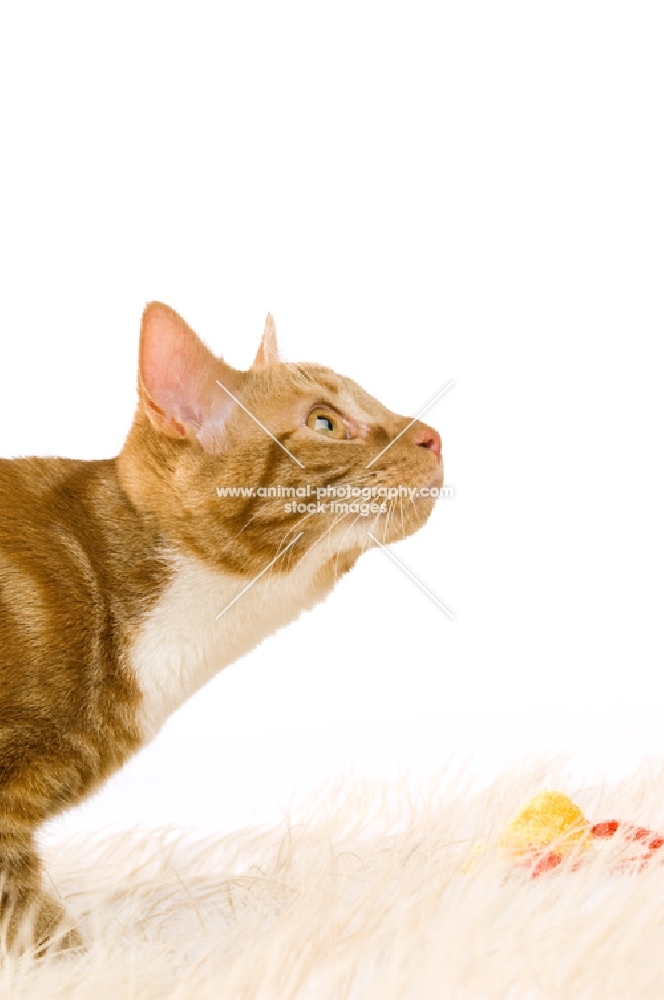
(326, 422)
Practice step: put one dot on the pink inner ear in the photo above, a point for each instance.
(178, 374)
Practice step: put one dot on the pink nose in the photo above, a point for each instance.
(427, 437)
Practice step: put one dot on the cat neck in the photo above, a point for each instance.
(202, 622)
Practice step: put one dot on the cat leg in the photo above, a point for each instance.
(30, 918)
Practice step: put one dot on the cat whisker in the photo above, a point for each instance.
(336, 520)
(252, 518)
(390, 509)
(296, 525)
(350, 528)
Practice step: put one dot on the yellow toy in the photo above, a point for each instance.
(551, 826)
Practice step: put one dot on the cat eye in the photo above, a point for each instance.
(327, 422)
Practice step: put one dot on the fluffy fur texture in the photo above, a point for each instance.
(364, 897)
(113, 573)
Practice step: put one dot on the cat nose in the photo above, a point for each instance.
(427, 437)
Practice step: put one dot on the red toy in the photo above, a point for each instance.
(551, 826)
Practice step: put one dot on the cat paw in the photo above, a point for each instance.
(53, 930)
(42, 927)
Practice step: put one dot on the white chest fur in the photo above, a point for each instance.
(182, 643)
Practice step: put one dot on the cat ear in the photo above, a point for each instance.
(177, 379)
(268, 352)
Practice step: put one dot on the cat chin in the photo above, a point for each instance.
(386, 528)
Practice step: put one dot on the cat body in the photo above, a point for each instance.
(126, 584)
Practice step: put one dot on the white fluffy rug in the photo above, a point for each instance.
(371, 896)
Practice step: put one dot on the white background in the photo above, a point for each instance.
(418, 192)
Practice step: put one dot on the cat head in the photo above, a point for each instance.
(204, 430)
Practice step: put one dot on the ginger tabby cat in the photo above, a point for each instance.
(118, 577)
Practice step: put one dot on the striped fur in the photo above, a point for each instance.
(113, 572)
